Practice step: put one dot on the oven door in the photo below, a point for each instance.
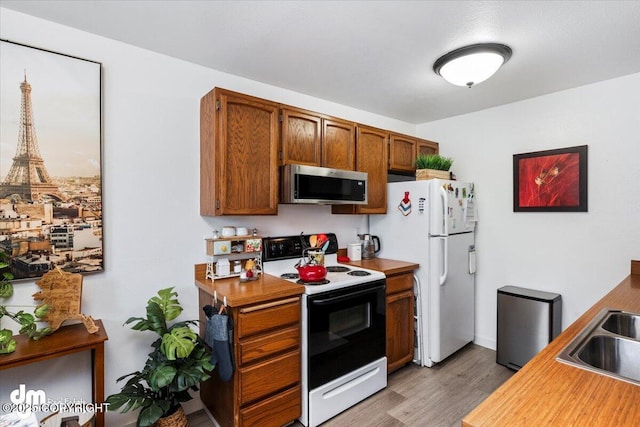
(346, 330)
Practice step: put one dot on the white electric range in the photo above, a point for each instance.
(343, 328)
(338, 275)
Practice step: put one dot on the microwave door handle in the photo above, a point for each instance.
(348, 296)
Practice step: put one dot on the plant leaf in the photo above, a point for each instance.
(115, 401)
(6, 289)
(150, 415)
(5, 335)
(25, 319)
(155, 318)
(41, 310)
(170, 306)
(161, 377)
(179, 343)
(433, 161)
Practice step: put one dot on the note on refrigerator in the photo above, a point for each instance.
(470, 214)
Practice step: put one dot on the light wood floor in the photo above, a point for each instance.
(433, 397)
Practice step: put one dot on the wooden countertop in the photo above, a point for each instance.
(243, 293)
(546, 392)
(388, 266)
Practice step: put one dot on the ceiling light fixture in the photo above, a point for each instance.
(470, 65)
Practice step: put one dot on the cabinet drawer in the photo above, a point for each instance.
(401, 282)
(266, 345)
(275, 411)
(265, 378)
(262, 317)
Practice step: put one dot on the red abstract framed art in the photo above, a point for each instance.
(551, 180)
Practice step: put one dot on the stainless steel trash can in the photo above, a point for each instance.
(527, 321)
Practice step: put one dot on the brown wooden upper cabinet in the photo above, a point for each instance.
(402, 153)
(425, 147)
(371, 157)
(241, 139)
(238, 154)
(314, 139)
(301, 135)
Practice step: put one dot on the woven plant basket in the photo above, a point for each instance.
(422, 174)
(177, 419)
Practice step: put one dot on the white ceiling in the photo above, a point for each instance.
(375, 55)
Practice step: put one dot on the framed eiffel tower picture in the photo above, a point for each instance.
(50, 162)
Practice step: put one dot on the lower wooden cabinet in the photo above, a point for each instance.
(275, 410)
(261, 380)
(400, 309)
(265, 389)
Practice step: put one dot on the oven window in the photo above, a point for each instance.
(348, 321)
(345, 331)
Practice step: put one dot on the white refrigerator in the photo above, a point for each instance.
(432, 223)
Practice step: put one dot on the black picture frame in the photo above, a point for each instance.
(551, 180)
(62, 96)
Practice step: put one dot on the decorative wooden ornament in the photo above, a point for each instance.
(62, 291)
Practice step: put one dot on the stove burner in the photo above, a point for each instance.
(290, 275)
(337, 269)
(358, 273)
(321, 282)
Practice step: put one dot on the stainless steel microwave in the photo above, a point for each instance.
(317, 185)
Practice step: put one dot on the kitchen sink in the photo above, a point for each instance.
(613, 354)
(609, 345)
(625, 324)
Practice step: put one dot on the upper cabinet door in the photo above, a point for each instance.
(338, 144)
(371, 157)
(309, 138)
(402, 153)
(301, 137)
(238, 155)
(372, 145)
(425, 147)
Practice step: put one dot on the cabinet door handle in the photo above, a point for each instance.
(268, 305)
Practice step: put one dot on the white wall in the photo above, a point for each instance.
(153, 233)
(579, 255)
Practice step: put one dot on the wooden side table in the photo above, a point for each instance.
(66, 340)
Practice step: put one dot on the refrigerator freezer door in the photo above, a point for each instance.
(453, 208)
(404, 236)
(451, 301)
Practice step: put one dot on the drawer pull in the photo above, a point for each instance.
(268, 305)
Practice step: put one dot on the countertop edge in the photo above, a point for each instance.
(389, 267)
(238, 293)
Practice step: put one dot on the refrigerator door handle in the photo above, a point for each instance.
(445, 209)
(445, 260)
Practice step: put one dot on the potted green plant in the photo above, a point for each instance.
(27, 321)
(177, 363)
(429, 166)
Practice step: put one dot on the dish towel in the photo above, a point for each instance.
(219, 336)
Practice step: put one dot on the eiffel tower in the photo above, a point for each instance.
(28, 178)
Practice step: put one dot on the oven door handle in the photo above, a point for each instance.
(350, 295)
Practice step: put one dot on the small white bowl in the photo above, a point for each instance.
(228, 231)
(242, 231)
